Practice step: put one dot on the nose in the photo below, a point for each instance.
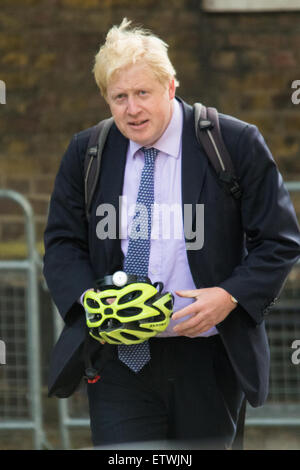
(132, 106)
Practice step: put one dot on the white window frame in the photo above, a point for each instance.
(250, 5)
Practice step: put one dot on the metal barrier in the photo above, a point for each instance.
(283, 405)
(283, 327)
(72, 412)
(20, 387)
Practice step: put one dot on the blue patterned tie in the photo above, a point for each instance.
(135, 356)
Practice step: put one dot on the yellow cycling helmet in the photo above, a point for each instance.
(139, 311)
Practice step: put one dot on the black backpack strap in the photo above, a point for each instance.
(92, 160)
(208, 133)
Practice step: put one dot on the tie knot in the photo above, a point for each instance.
(150, 154)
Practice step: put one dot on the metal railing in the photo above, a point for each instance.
(69, 415)
(20, 384)
(271, 414)
(20, 377)
(283, 326)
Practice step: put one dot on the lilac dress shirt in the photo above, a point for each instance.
(168, 258)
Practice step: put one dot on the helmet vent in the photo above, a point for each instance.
(92, 303)
(110, 324)
(108, 300)
(129, 312)
(130, 296)
(169, 305)
(129, 336)
(157, 318)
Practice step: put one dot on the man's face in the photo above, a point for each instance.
(140, 104)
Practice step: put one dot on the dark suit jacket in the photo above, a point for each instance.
(249, 246)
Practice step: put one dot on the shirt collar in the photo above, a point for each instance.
(169, 143)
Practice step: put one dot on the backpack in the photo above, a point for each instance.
(208, 134)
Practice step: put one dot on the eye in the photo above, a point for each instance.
(120, 97)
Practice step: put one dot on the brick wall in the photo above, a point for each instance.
(244, 64)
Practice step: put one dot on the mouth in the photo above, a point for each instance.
(138, 124)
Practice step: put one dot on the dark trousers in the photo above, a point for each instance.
(188, 392)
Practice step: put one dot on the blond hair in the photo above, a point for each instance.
(125, 46)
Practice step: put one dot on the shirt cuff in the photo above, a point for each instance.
(80, 300)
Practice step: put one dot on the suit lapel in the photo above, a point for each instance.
(111, 186)
(194, 163)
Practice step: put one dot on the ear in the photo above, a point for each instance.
(172, 89)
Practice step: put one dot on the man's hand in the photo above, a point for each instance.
(212, 305)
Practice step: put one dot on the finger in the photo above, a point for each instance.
(199, 329)
(188, 293)
(188, 324)
(188, 310)
(195, 334)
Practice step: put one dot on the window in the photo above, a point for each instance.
(250, 5)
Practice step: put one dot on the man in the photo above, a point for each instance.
(214, 351)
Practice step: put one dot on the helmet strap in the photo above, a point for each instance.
(91, 374)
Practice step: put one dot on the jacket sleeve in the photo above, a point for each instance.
(270, 226)
(67, 267)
